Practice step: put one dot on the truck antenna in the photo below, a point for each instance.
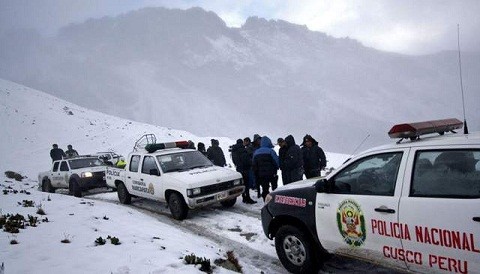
(465, 128)
(361, 143)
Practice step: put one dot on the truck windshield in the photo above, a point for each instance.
(183, 161)
(84, 162)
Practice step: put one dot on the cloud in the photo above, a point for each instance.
(412, 27)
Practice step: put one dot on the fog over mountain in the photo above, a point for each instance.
(186, 69)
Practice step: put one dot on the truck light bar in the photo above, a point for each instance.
(415, 130)
(154, 147)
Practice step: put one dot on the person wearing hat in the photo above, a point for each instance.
(293, 162)
(314, 159)
(282, 152)
(56, 153)
(215, 154)
(71, 152)
(265, 165)
(242, 163)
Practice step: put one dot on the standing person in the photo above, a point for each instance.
(71, 152)
(293, 163)
(57, 153)
(314, 159)
(282, 152)
(215, 154)
(247, 143)
(256, 145)
(201, 148)
(265, 165)
(242, 163)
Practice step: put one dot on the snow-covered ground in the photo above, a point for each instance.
(151, 241)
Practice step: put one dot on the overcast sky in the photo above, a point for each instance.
(405, 26)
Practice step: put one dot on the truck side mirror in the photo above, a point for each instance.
(155, 172)
(321, 186)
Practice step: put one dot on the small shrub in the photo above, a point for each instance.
(114, 240)
(13, 223)
(32, 221)
(66, 239)
(40, 211)
(14, 175)
(204, 263)
(105, 217)
(28, 203)
(100, 241)
(231, 263)
(13, 242)
(48, 198)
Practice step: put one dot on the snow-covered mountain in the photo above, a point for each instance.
(187, 69)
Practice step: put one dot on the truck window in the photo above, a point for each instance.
(148, 164)
(372, 175)
(134, 162)
(446, 174)
(55, 166)
(63, 166)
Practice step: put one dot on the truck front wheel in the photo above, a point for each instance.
(123, 196)
(74, 189)
(177, 206)
(295, 250)
(228, 203)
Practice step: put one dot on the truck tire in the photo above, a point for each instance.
(74, 189)
(47, 186)
(229, 203)
(177, 206)
(295, 251)
(123, 196)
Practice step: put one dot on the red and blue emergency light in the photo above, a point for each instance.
(415, 130)
(157, 146)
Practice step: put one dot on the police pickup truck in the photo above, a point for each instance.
(76, 174)
(413, 205)
(182, 177)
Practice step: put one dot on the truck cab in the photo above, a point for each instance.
(182, 177)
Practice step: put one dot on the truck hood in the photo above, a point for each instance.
(300, 184)
(204, 176)
(90, 169)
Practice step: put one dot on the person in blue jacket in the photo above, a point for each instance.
(265, 165)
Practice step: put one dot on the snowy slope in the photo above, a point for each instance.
(152, 242)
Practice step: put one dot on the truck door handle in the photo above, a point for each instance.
(385, 210)
(141, 179)
(476, 219)
(129, 177)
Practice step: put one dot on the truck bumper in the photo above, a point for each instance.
(266, 220)
(88, 183)
(215, 197)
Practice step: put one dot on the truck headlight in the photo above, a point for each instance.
(87, 174)
(237, 182)
(193, 191)
(268, 198)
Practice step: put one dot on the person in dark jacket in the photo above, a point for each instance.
(282, 152)
(293, 162)
(314, 159)
(57, 153)
(265, 165)
(215, 154)
(242, 163)
(201, 148)
(71, 152)
(247, 143)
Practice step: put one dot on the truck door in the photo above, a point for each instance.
(358, 216)
(151, 178)
(55, 174)
(441, 205)
(60, 178)
(133, 182)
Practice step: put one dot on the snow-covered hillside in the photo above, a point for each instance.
(31, 121)
(151, 241)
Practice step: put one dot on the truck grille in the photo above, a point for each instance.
(205, 190)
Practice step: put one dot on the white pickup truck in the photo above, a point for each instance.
(184, 178)
(76, 174)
